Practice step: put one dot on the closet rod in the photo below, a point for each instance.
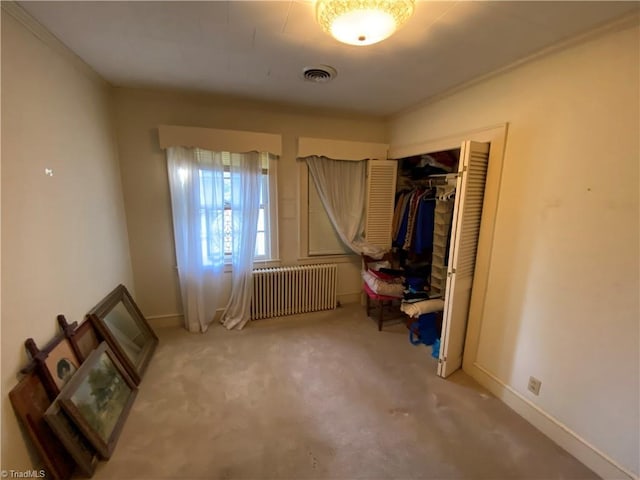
(434, 180)
(445, 175)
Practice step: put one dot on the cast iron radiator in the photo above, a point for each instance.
(289, 290)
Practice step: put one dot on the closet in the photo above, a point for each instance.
(454, 180)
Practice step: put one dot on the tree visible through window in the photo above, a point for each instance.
(216, 222)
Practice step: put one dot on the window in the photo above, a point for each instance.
(323, 238)
(317, 234)
(215, 223)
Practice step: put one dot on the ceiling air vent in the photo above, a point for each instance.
(319, 73)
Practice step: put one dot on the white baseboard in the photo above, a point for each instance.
(163, 321)
(177, 320)
(349, 298)
(569, 440)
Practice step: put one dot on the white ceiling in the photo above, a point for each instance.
(257, 49)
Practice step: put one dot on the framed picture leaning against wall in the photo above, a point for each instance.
(98, 399)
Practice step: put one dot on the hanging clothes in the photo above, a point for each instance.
(413, 220)
(403, 216)
(398, 213)
(423, 238)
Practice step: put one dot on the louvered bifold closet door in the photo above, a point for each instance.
(381, 190)
(467, 214)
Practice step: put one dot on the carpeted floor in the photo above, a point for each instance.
(320, 396)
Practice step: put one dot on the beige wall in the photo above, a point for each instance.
(146, 188)
(562, 296)
(64, 238)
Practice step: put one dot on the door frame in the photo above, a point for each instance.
(497, 136)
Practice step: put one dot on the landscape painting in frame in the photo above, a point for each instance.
(75, 443)
(120, 322)
(98, 399)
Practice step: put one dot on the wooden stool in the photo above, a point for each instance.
(380, 301)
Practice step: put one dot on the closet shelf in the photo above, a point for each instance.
(432, 180)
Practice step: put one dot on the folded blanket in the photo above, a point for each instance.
(426, 306)
(386, 277)
(381, 287)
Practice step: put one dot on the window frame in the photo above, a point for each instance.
(341, 249)
(353, 150)
(304, 254)
(270, 210)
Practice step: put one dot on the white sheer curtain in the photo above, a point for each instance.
(246, 177)
(200, 272)
(341, 185)
(196, 180)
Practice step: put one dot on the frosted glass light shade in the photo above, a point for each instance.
(362, 22)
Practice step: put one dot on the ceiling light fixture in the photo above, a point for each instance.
(362, 22)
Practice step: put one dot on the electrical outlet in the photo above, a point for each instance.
(534, 385)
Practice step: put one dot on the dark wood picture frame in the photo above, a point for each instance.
(100, 389)
(55, 363)
(84, 338)
(30, 400)
(135, 344)
(83, 453)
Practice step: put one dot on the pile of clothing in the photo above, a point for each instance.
(409, 284)
(382, 283)
(416, 299)
(377, 278)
